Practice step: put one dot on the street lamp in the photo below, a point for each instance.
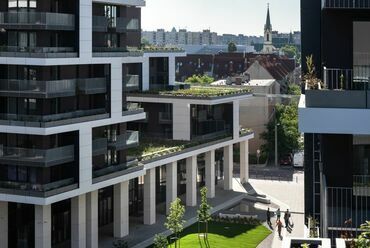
(276, 144)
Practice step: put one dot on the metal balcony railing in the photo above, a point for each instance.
(127, 24)
(131, 82)
(36, 157)
(99, 146)
(92, 85)
(346, 79)
(361, 181)
(345, 4)
(25, 186)
(124, 141)
(33, 88)
(37, 52)
(52, 117)
(37, 20)
(115, 170)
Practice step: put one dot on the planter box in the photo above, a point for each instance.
(337, 99)
(289, 242)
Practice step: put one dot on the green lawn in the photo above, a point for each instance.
(225, 235)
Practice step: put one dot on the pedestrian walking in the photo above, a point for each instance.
(268, 217)
(278, 214)
(286, 218)
(279, 227)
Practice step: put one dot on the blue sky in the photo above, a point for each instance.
(222, 16)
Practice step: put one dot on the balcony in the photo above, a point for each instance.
(38, 190)
(113, 171)
(37, 89)
(125, 141)
(100, 24)
(53, 120)
(343, 88)
(99, 146)
(127, 24)
(116, 52)
(92, 86)
(36, 157)
(165, 118)
(345, 4)
(37, 20)
(131, 82)
(130, 108)
(361, 185)
(38, 52)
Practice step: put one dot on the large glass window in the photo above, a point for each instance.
(22, 3)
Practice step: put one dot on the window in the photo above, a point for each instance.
(12, 3)
(22, 4)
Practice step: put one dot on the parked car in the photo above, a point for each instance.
(286, 159)
(298, 159)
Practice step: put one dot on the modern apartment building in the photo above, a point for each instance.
(67, 170)
(335, 119)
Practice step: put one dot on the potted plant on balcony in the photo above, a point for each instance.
(311, 80)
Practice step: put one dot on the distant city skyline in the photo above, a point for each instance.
(241, 17)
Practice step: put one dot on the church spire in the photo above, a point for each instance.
(268, 21)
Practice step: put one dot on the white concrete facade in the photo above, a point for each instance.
(149, 197)
(78, 221)
(228, 167)
(210, 174)
(191, 181)
(43, 226)
(120, 210)
(244, 162)
(171, 184)
(92, 237)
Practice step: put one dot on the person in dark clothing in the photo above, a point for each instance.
(278, 214)
(286, 219)
(268, 217)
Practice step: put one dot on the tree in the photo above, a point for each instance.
(175, 222)
(160, 241)
(231, 47)
(363, 240)
(287, 131)
(204, 212)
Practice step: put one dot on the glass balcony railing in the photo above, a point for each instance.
(54, 119)
(165, 117)
(132, 108)
(125, 141)
(116, 52)
(100, 23)
(131, 82)
(127, 24)
(38, 52)
(361, 181)
(39, 190)
(345, 4)
(36, 157)
(99, 146)
(92, 85)
(112, 171)
(33, 88)
(37, 20)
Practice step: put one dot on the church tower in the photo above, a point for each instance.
(267, 44)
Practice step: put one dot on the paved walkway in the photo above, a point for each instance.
(289, 194)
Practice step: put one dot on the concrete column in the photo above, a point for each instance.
(171, 184)
(121, 210)
(236, 119)
(210, 173)
(3, 224)
(145, 73)
(92, 230)
(171, 70)
(191, 181)
(149, 197)
(116, 89)
(181, 121)
(228, 167)
(78, 221)
(244, 162)
(42, 226)
(85, 24)
(85, 157)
